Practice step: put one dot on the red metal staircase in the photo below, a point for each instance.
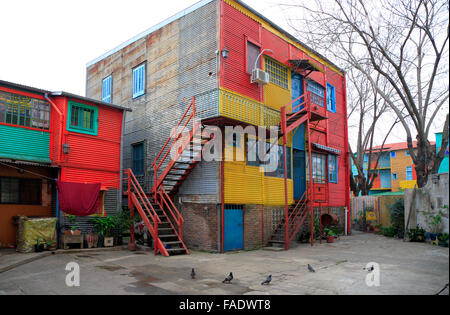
(162, 219)
(292, 117)
(179, 155)
(176, 160)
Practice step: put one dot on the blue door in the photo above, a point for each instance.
(299, 174)
(297, 90)
(234, 229)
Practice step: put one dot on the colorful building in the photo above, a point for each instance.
(396, 170)
(222, 62)
(49, 136)
(444, 164)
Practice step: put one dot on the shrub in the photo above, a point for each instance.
(397, 213)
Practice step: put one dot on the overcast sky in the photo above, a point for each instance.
(47, 43)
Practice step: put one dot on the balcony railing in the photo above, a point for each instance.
(222, 103)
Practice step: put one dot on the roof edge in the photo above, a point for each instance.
(152, 29)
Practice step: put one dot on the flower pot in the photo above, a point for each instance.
(39, 248)
(100, 240)
(109, 242)
(330, 239)
(376, 229)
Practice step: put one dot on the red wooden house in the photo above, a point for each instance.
(49, 136)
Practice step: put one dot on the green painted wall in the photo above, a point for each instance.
(24, 144)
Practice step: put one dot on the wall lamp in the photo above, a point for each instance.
(225, 53)
(66, 148)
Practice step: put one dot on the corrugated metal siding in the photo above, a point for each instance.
(180, 57)
(202, 181)
(24, 144)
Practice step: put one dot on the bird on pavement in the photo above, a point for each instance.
(372, 268)
(267, 281)
(310, 268)
(228, 279)
(193, 274)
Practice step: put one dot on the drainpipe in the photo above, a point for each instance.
(61, 125)
(121, 161)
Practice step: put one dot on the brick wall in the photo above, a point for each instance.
(200, 228)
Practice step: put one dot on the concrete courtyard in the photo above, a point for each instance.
(406, 268)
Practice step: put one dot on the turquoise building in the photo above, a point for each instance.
(444, 165)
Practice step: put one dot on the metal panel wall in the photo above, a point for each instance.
(180, 63)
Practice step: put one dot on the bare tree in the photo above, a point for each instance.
(368, 107)
(404, 42)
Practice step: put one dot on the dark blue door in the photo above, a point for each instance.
(234, 229)
(297, 90)
(299, 174)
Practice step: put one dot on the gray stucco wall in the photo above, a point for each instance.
(433, 197)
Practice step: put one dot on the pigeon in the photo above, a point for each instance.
(193, 274)
(268, 280)
(372, 268)
(310, 268)
(228, 279)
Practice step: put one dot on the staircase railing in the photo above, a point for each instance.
(297, 217)
(174, 141)
(137, 199)
(167, 205)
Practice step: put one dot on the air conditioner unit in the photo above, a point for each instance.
(260, 77)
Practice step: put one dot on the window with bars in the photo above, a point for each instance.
(139, 81)
(20, 191)
(277, 72)
(82, 118)
(138, 158)
(317, 92)
(107, 90)
(24, 111)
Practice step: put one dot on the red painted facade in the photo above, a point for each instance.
(92, 159)
(236, 29)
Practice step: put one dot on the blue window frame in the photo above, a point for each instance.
(394, 176)
(139, 81)
(331, 98)
(409, 173)
(407, 153)
(107, 89)
(332, 169)
(138, 158)
(82, 118)
(393, 154)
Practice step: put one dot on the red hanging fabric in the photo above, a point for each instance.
(78, 199)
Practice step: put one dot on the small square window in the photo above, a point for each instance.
(407, 153)
(394, 177)
(393, 154)
(82, 118)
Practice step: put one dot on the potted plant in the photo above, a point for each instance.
(330, 235)
(105, 226)
(73, 226)
(51, 245)
(377, 228)
(39, 247)
(123, 225)
(433, 222)
(443, 240)
(417, 235)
